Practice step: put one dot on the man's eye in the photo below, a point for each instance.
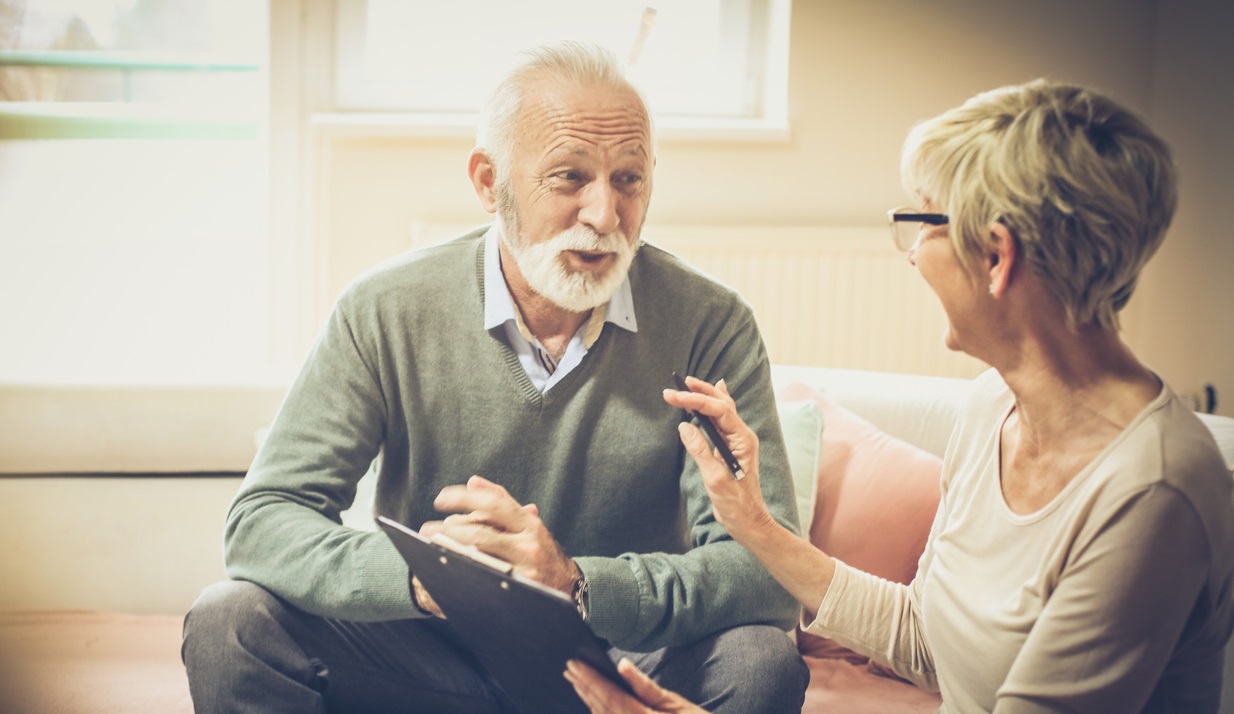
(629, 180)
(571, 176)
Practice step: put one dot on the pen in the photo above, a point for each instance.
(713, 434)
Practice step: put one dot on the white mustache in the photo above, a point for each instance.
(584, 239)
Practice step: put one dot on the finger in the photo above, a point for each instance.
(483, 496)
(472, 518)
(599, 694)
(478, 482)
(468, 532)
(717, 405)
(700, 450)
(719, 409)
(643, 686)
(702, 397)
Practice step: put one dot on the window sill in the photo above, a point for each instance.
(410, 125)
(106, 120)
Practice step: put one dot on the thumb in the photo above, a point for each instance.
(692, 439)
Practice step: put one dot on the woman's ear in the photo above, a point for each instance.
(483, 177)
(1001, 259)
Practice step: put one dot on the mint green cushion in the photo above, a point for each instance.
(802, 423)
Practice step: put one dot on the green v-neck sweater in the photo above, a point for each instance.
(405, 369)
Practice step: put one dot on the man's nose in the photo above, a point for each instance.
(599, 208)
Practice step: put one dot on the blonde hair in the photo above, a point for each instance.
(1086, 188)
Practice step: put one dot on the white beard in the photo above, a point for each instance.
(547, 272)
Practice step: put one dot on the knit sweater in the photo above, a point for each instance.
(404, 369)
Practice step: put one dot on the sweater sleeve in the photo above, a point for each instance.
(649, 600)
(881, 619)
(283, 529)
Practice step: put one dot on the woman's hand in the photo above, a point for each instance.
(738, 504)
(803, 570)
(604, 697)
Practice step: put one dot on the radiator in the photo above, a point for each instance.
(825, 296)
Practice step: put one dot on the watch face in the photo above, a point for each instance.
(580, 595)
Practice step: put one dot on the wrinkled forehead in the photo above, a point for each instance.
(581, 117)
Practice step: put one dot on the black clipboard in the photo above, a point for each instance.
(521, 631)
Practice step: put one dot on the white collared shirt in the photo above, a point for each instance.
(499, 309)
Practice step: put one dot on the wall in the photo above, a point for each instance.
(1186, 320)
(862, 73)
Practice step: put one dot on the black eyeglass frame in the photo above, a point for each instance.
(908, 215)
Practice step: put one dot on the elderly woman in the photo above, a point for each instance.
(1082, 555)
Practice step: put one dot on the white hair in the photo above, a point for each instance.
(568, 62)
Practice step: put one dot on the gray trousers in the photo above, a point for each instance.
(246, 650)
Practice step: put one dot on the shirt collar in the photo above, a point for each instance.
(499, 305)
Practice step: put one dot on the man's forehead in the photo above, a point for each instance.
(587, 111)
(566, 143)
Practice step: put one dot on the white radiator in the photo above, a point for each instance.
(825, 296)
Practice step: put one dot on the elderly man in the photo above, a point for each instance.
(511, 378)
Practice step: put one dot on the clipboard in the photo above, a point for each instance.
(521, 631)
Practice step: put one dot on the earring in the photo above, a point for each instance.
(991, 288)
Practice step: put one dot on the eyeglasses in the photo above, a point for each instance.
(907, 224)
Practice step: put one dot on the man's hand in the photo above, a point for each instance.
(424, 601)
(487, 517)
(604, 697)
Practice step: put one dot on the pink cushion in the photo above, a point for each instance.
(840, 686)
(877, 496)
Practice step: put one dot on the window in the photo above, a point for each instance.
(133, 191)
(700, 62)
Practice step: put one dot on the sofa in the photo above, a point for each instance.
(864, 449)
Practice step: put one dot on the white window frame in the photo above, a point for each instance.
(335, 106)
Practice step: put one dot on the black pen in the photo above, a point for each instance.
(713, 434)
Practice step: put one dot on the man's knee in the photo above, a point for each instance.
(764, 667)
(223, 612)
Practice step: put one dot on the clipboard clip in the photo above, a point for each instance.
(472, 552)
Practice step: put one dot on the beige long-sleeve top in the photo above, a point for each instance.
(1115, 597)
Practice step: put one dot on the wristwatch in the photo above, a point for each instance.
(580, 595)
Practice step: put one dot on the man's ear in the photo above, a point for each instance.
(483, 176)
(1001, 258)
